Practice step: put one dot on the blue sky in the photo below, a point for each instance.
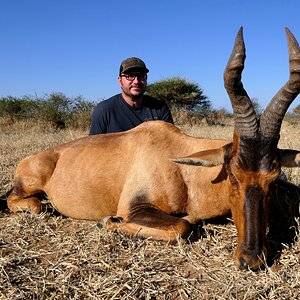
(76, 46)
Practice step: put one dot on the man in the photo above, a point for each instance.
(130, 108)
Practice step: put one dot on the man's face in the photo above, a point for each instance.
(133, 83)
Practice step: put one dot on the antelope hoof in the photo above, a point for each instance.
(108, 219)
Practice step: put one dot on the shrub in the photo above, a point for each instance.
(81, 113)
(180, 94)
(56, 110)
(16, 109)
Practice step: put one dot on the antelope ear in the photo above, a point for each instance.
(289, 158)
(206, 158)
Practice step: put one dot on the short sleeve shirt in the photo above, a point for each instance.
(115, 115)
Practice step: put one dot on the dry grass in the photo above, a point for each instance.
(50, 257)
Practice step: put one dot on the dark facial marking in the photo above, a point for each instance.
(257, 153)
(254, 212)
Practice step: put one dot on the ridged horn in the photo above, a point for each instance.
(271, 119)
(246, 123)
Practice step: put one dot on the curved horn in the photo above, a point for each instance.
(271, 119)
(246, 123)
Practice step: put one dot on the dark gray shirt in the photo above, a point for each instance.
(115, 115)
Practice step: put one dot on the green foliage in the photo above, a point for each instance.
(17, 108)
(180, 94)
(56, 109)
(81, 113)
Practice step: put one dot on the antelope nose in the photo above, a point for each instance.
(252, 265)
(243, 263)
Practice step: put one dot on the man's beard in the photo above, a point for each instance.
(136, 97)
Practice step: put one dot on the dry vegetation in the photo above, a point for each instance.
(48, 256)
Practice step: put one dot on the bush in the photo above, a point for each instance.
(213, 117)
(56, 109)
(16, 109)
(81, 113)
(180, 94)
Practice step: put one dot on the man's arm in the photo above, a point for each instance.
(166, 114)
(162, 110)
(99, 121)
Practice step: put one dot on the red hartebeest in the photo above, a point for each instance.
(132, 175)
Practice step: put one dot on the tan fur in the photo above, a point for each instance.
(132, 175)
(98, 175)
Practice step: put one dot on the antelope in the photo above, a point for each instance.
(155, 181)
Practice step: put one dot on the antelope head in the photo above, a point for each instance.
(255, 161)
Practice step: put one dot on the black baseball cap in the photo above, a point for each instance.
(133, 63)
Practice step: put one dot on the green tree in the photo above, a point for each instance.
(180, 94)
(56, 109)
